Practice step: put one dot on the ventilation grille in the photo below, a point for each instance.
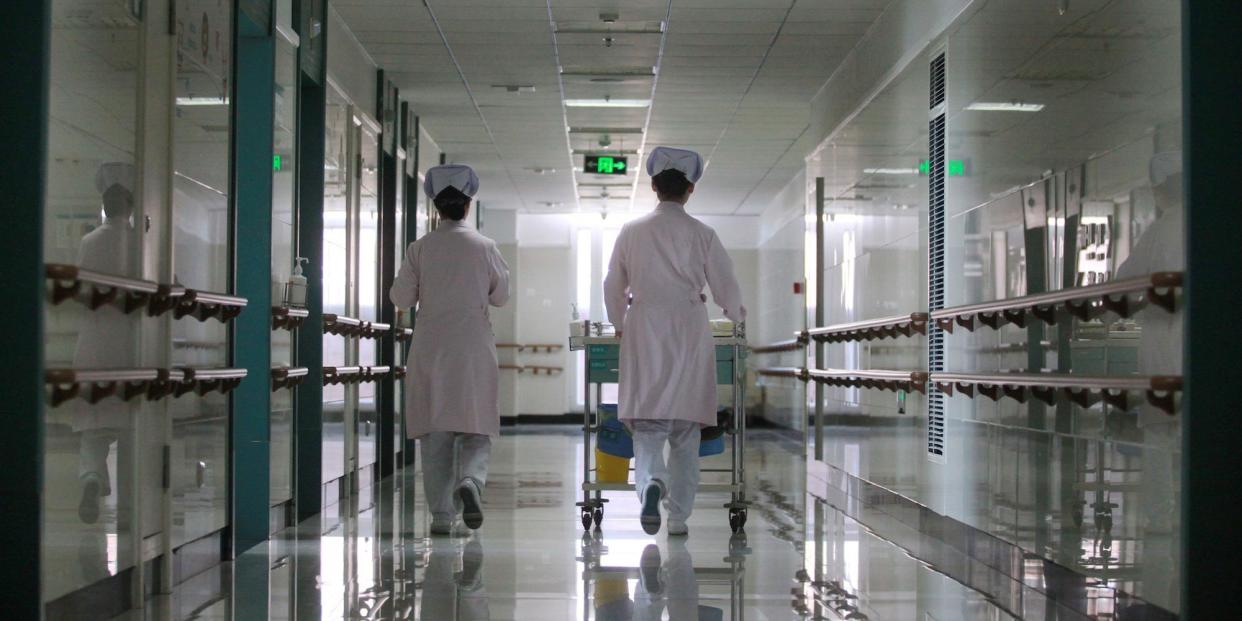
(937, 81)
(935, 258)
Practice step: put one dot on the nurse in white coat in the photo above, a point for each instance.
(106, 336)
(452, 275)
(661, 262)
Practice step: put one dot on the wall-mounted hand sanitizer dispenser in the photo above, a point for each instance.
(295, 289)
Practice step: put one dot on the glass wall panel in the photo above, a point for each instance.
(284, 181)
(92, 206)
(367, 423)
(201, 153)
(336, 257)
(1065, 131)
(398, 256)
(874, 266)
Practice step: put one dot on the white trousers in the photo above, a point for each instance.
(681, 475)
(680, 595)
(94, 446)
(448, 459)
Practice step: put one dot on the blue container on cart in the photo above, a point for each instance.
(707, 448)
(612, 437)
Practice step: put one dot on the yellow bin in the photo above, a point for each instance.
(610, 468)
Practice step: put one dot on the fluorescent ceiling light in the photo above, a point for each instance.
(1000, 106)
(202, 101)
(607, 103)
(890, 171)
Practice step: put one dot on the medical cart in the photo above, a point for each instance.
(602, 353)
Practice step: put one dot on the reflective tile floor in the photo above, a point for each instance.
(370, 557)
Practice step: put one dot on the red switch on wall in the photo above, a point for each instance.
(798, 288)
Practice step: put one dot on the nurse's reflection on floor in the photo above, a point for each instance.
(664, 584)
(105, 337)
(450, 593)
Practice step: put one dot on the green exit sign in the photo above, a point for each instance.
(278, 162)
(606, 165)
(954, 168)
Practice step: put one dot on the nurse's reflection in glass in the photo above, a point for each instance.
(450, 594)
(105, 339)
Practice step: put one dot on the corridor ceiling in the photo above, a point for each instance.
(732, 79)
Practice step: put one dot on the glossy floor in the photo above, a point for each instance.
(371, 557)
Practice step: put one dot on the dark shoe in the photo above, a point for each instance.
(471, 505)
(469, 577)
(88, 506)
(650, 516)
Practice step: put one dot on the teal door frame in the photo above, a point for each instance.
(253, 127)
(1211, 426)
(310, 19)
(25, 36)
(385, 391)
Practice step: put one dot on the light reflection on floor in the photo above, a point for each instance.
(532, 561)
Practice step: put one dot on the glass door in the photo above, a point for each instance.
(93, 202)
(366, 426)
(284, 233)
(398, 255)
(201, 262)
(337, 246)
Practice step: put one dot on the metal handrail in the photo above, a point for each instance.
(902, 325)
(67, 281)
(350, 326)
(778, 347)
(1081, 302)
(342, 375)
(546, 370)
(790, 372)
(1084, 390)
(127, 384)
(204, 305)
(860, 378)
(203, 380)
(535, 347)
(288, 317)
(288, 377)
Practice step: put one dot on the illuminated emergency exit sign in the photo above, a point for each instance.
(954, 168)
(606, 165)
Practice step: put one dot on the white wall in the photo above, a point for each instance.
(545, 279)
(541, 298)
(350, 68)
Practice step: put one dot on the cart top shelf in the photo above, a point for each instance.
(577, 343)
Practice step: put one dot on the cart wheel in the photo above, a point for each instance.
(586, 518)
(737, 519)
(599, 516)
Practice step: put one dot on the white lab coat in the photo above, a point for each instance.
(452, 275)
(668, 360)
(106, 336)
(1160, 249)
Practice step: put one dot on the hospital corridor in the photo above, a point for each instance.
(620, 310)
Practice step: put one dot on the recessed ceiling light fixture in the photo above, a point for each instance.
(607, 103)
(202, 101)
(1001, 106)
(890, 171)
(516, 88)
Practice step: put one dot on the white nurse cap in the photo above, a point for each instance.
(115, 173)
(665, 158)
(457, 176)
(1164, 165)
